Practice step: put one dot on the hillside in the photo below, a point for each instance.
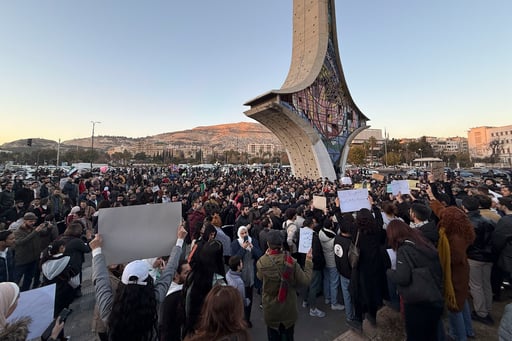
(228, 136)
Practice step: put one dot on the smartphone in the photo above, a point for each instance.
(246, 238)
(63, 316)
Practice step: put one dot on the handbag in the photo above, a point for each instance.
(353, 253)
(422, 288)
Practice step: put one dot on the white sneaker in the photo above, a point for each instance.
(316, 312)
(337, 306)
(305, 304)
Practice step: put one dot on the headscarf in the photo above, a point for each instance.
(9, 292)
(241, 240)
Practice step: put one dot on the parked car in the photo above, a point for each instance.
(495, 173)
(466, 174)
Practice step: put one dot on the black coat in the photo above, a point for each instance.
(7, 267)
(341, 247)
(481, 249)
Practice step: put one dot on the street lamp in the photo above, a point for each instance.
(421, 154)
(92, 141)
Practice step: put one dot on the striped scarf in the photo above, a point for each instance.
(285, 274)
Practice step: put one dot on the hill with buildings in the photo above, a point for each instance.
(230, 136)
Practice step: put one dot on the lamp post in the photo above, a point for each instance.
(92, 140)
(421, 153)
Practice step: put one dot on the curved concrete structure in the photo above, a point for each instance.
(313, 114)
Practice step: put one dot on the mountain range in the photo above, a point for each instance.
(230, 136)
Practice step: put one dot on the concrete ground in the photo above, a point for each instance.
(331, 327)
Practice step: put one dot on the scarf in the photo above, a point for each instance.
(445, 258)
(285, 274)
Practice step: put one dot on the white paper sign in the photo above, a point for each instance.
(353, 200)
(401, 186)
(138, 232)
(305, 239)
(155, 189)
(392, 258)
(38, 304)
(319, 202)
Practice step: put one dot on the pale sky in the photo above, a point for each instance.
(142, 68)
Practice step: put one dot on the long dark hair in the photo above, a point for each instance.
(51, 250)
(397, 232)
(366, 222)
(199, 282)
(134, 314)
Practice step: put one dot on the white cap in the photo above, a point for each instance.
(137, 268)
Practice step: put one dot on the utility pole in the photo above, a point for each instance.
(58, 154)
(92, 140)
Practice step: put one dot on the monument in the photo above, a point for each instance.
(313, 114)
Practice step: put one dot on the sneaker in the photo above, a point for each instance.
(327, 301)
(485, 320)
(337, 306)
(305, 304)
(316, 312)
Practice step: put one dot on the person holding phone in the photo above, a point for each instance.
(249, 251)
(18, 330)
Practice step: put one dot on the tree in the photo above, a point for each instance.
(356, 155)
(393, 158)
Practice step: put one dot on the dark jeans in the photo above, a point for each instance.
(422, 321)
(26, 271)
(281, 334)
(247, 310)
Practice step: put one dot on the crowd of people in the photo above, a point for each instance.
(445, 246)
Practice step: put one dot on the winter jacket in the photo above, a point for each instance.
(502, 243)
(28, 246)
(430, 231)
(172, 314)
(326, 237)
(248, 258)
(481, 249)
(7, 266)
(75, 248)
(408, 252)
(341, 247)
(234, 279)
(103, 288)
(269, 271)
(57, 270)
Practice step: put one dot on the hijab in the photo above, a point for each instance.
(241, 240)
(9, 292)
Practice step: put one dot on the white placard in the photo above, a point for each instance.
(138, 232)
(38, 304)
(155, 189)
(400, 186)
(305, 239)
(353, 200)
(319, 202)
(392, 258)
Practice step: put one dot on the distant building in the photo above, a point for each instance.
(365, 135)
(448, 145)
(482, 141)
(260, 148)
